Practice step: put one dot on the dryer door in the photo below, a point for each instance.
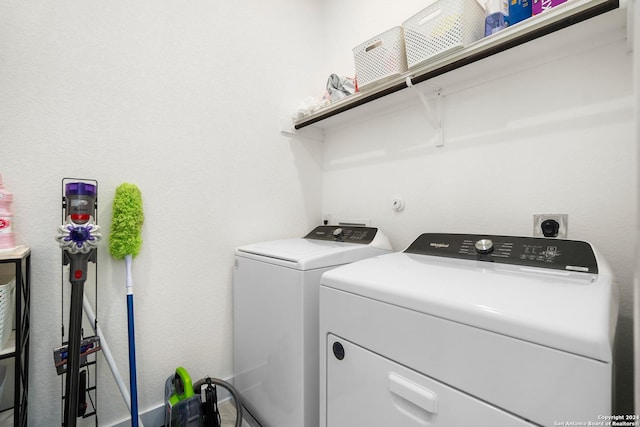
(364, 388)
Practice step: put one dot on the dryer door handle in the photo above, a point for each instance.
(414, 393)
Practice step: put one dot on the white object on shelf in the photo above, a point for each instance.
(6, 311)
(10, 346)
(380, 58)
(441, 28)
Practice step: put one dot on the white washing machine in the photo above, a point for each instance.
(275, 315)
(468, 330)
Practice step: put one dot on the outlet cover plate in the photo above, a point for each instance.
(563, 220)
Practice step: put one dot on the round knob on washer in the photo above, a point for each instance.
(484, 246)
(337, 233)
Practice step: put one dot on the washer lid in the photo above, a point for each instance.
(570, 311)
(310, 253)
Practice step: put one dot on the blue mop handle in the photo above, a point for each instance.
(133, 383)
(132, 363)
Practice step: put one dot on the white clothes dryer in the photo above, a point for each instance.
(275, 315)
(469, 330)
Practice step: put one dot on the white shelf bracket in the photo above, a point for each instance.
(434, 111)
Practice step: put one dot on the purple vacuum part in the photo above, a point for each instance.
(80, 235)
(80, 189)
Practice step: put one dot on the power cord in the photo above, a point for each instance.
(210, 406)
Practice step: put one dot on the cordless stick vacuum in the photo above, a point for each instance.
(78, 238)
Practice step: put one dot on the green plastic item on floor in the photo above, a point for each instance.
(183, 388)
(183, 406)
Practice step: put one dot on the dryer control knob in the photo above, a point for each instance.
(338, 233)
(484, 246)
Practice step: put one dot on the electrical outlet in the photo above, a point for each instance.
(550, 224)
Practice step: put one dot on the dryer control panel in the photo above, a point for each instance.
(338, 233)
(568, 255)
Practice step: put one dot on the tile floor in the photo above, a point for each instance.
(228, 416)
(6, 418)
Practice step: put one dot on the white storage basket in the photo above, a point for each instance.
(380, 58)
(6, 311)
(444, 26)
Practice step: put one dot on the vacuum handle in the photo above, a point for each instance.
(78, 265)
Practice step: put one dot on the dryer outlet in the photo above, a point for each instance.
(397, 204)
(550, 225)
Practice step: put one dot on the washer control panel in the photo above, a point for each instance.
(568, 255)
(347, 233)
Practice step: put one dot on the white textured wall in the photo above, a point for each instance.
(542, 128)
(184, 99)
(635, 20)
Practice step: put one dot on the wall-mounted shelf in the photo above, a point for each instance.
(562, 16)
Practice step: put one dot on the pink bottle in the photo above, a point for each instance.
(7, 237)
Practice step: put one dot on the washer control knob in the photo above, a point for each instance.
(484, 246)
(338, 233)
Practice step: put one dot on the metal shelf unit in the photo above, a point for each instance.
(18, 346)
